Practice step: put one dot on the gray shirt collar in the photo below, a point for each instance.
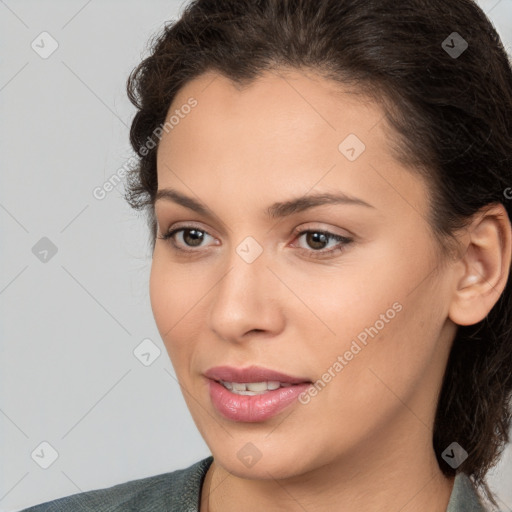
(464, 497)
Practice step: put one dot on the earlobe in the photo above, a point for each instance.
(484, 268)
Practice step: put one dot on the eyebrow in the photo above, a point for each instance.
(274, 211)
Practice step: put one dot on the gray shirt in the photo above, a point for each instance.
(180, 490)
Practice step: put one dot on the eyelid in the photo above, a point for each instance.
(184, 225)
(315, 227)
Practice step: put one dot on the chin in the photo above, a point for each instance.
(273, 466)
(263, 456)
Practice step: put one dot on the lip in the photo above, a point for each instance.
(251, 374)
(252, 408)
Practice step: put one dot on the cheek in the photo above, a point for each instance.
(396, 364)
(386, 336)
(169, 303)
(160, 296)
(173, 293)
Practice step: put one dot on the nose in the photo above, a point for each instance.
(246, 301)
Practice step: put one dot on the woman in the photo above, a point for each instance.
(327, 186)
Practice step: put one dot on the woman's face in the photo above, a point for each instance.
(363, 319)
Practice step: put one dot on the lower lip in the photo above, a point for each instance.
(253, 408)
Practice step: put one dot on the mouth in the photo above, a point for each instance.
(252, 394)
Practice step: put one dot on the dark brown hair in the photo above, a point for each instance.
(452, 120)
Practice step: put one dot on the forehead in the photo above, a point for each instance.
(288, 131)
(289, 102)
(281, 115)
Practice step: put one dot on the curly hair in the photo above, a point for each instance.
(451, 114)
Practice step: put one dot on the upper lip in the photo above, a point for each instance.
(250, 374)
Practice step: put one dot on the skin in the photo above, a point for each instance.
(364, 441)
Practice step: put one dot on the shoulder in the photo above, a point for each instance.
(170, 492)
(464, 497)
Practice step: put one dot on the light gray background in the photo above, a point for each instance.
(70, 325)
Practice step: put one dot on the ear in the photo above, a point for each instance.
(481, 273)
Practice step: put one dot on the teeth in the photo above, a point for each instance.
(253, 388)
(256, 386)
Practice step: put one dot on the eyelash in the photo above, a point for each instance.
(315, 254)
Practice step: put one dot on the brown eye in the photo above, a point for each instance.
(190, 237)
(317, 240)
(193, 237)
